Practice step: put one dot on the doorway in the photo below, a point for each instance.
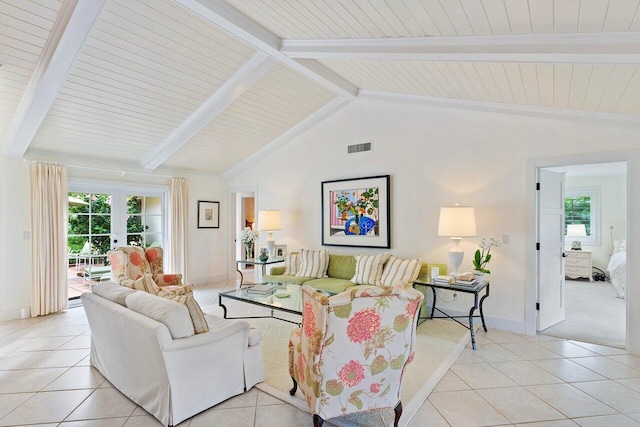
(243, 202)
(594, 276)
(99, 219)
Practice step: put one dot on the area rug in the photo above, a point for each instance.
(438, 345)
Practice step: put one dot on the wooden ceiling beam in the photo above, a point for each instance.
(237, 24)
(71, 29)
(574, 48)
(252, 71)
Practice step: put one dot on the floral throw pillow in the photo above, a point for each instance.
(313, 264)
(369, 269)
(400, 271)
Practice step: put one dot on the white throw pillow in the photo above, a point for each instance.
(113, 292)
(291, 264)
(400, 271)
(369, 269)
(174, 315)
(313, 264)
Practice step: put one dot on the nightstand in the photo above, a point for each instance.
(577, 265)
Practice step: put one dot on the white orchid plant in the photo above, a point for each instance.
(481, 259)
(249, 236)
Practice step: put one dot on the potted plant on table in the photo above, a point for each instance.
(483, 256)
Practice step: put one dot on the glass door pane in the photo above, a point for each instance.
(145, 221)
(89, 236)
(101, 219)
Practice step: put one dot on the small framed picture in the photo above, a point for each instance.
(208, 214)
(281, 250)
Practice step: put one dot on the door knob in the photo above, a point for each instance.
(564, 255)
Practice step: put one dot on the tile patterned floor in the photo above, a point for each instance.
(46, 380)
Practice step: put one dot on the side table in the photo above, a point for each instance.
(256, 261)
(477, 302)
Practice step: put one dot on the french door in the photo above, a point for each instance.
(102, 218)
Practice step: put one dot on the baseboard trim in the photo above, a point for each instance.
(515, 326)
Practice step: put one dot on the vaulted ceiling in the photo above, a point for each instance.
(210, 86)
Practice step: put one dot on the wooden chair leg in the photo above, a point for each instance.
(398, 411)
(317, 420)
(294, 388)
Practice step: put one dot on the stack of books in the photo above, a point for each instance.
(444, 280)
(261, 289)
(466, 279)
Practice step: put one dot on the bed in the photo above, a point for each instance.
(617, 267)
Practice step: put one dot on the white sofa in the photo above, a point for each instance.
(171, 378)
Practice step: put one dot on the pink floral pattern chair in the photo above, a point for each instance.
(133, 262)
(351, 351)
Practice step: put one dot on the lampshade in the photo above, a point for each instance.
(457, 221)
(576, 230)
(269, 220)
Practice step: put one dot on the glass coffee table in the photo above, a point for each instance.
(284, 297)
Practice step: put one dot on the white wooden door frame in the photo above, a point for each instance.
(632, 157)
(232, 223)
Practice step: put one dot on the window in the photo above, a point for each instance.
(581, 206)
(144, 221)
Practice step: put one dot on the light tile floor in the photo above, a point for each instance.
(512, 379)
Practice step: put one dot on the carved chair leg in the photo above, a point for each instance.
(398, 411)
(294, 388)
(317, 420)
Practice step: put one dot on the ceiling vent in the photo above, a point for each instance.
(359, 148)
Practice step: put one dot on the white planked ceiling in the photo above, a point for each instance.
(357, 19)
(604, 88)
(145, 68)
(24, 29)
(280, 100)
(149, 67)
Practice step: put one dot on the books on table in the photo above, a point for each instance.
(261, 289)
(466, 279)
(444, 279)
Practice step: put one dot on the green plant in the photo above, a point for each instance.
(482, 258)
(367, 202)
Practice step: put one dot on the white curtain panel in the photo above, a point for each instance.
(178, 226)
(49, 195)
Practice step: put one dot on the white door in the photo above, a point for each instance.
(551, 302)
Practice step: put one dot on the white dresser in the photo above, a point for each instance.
(577, 265)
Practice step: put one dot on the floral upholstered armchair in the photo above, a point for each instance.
(131, 263)
(351, 351)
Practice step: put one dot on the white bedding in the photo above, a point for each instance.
(617, 270)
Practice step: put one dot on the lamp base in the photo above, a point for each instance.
(576, 245)
(455, 259)
(271, 245)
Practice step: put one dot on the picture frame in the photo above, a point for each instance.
(356, 212)
(208, 214)
(281, 251)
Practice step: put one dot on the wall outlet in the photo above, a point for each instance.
(26, 235)
(505, 239)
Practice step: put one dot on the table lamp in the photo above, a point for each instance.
(269, 221)
(457, 222)
(577, 231)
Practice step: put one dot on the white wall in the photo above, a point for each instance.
(207, 247)
(15, 275)
(436, 157)
(613, 209)
(208, 253)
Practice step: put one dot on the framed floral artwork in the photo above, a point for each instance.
(208, 214)
(356, 212)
